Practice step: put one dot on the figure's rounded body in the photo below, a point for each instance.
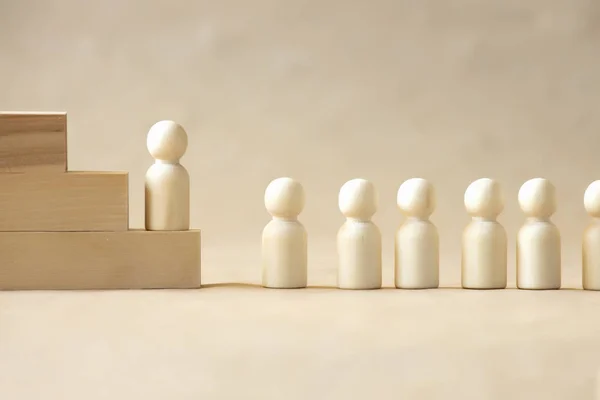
(359, 250)
(484, 256)
(284, 250)
(591, 257)
(167, 196)
(538, 256)
(416, 256)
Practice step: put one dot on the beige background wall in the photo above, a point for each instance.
(324, 91)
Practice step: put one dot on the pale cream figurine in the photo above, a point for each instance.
(591, 239)
(416, 254)
(538, 240)
(284, 239)
(484, 242)
(359, 239)
(167, 191)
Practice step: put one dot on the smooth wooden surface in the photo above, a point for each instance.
(135, 259)
(315, 343)
(71, 201)
(33, 142)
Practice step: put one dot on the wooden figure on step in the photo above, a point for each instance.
(167, 181)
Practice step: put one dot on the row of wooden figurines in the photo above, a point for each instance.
(416, 254)
(484, 252)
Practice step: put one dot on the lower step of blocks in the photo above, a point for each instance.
(134, 259)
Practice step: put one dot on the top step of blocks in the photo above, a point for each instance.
(33, 142)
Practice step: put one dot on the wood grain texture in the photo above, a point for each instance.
(71, 201)
(33, 142)
(135, 259)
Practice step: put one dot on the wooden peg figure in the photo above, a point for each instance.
(284, 239)
(167, 181)
(416, 256)
(597, 386)
(591, 239)
(484, 242)
(359, 239)
(538, 240)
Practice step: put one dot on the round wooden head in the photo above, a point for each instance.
(284, 198)
(167, 141)
(416, 198)
(591, 199)
(537, 198)
(483, 199)
(358, 199)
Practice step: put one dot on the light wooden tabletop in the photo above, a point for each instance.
(239, 341)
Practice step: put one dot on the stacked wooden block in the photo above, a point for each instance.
(62, 229)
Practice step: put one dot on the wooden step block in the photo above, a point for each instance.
(135, 259)
(71, 201)
(33, 142)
